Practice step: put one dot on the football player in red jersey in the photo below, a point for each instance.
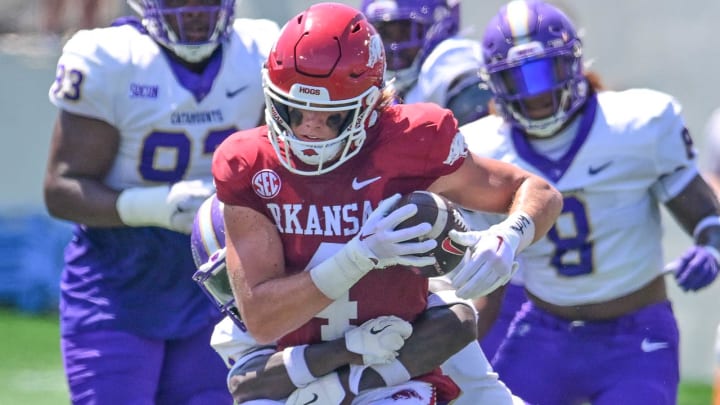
(311, 244)
(260, 373)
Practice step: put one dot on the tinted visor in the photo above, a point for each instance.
(532, 78)
(218, 284)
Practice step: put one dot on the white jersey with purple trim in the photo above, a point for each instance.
(168, 130)
(451, 59)
(616, 161)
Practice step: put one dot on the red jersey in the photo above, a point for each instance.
(407, 149)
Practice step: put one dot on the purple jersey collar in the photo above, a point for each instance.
(555, 169)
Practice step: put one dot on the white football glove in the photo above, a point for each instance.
(378, 340)
(326, 390)
(385, 246)
(378, 245)
(172, 207)
(489, 261)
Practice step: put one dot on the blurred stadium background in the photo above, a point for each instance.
(665, 45)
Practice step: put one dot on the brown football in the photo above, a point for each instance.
(443, 215)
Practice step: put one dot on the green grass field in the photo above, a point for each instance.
(31, 369)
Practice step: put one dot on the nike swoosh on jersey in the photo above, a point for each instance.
(647, 346)
(595, 170)
(357, 185)
(233, 93)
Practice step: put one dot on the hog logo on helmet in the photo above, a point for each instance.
(376, 50)
(328, 58)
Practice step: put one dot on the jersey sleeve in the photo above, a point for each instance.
(675, 154)
(453, 64)
(85, 73)
(438, 146)
(231, 168)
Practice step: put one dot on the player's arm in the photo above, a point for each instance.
(697, 210)
(531, 203)
(82, 152)
(446, 328)
(268, 297)
(484, 184)
(488, 309)
(694, 203)
(275, 376)
(267, 376)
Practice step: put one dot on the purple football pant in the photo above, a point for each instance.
(512, 301)
(630, 360)
(111, 367)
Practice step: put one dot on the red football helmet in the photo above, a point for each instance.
(327, 58)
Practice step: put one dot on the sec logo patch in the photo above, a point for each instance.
(266, 183)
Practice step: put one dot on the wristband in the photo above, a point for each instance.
(447, 298)
(296, 366)
(392, 373)
(143, 206)
(707, 222)
(523, 227)
(336, 275)
(356, 372)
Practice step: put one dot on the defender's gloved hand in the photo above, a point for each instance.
(378, 340)
(697, 267)
(172, 207)
(325, 390)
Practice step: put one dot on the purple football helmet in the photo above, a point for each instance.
(159, 17)
(426, 23)
(531, 48)
(207, 242)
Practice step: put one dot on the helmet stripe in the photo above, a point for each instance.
(518, 18)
